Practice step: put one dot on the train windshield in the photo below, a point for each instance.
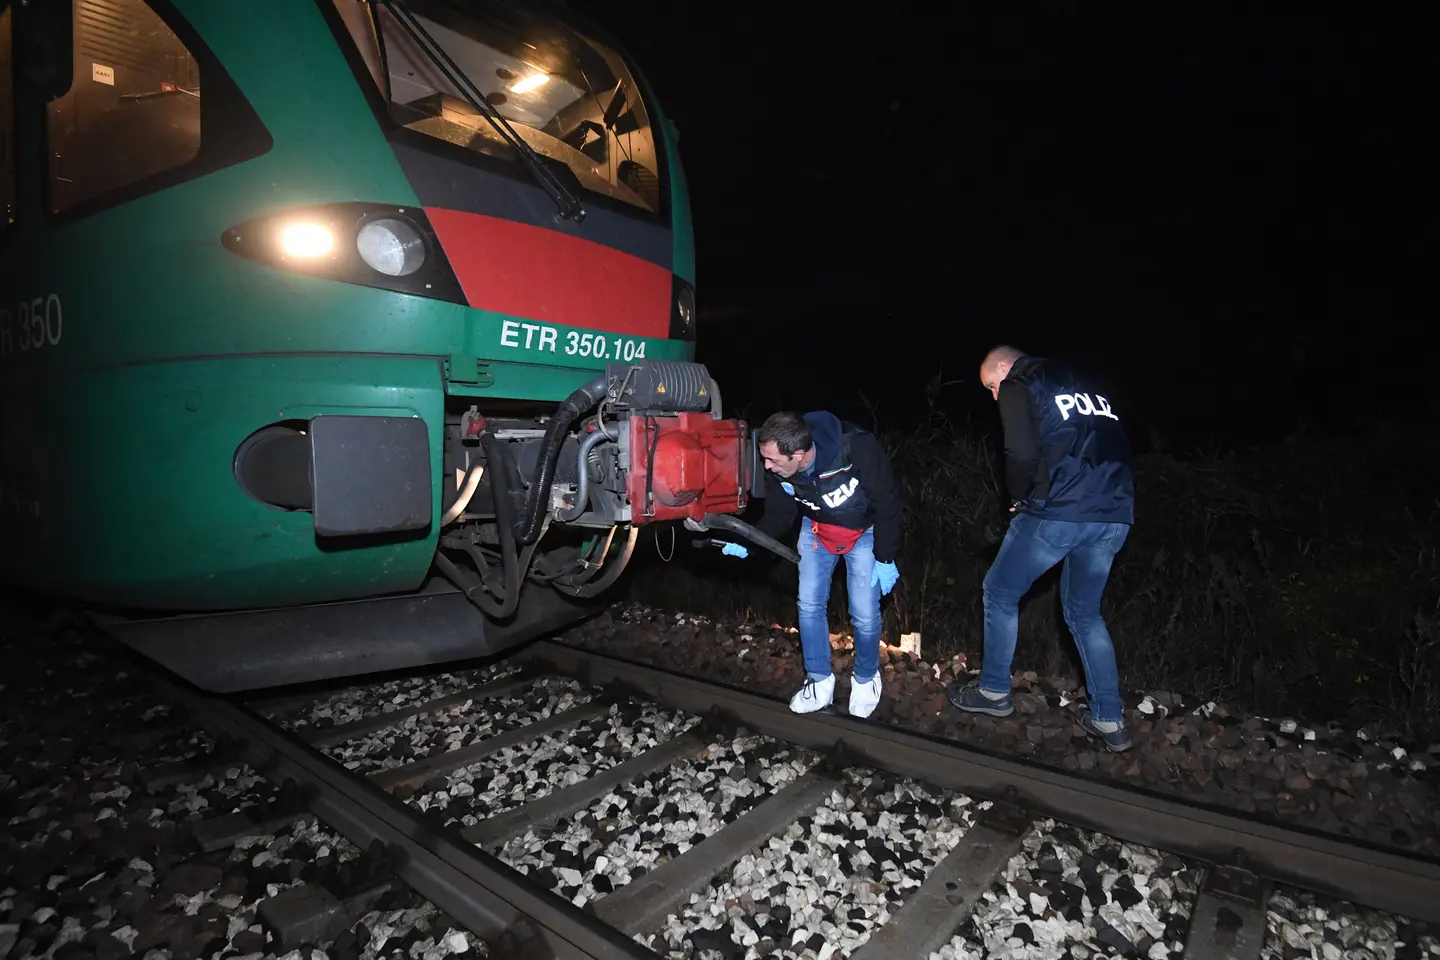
(566, 96)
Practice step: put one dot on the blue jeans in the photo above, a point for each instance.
(817, 568)
(1031, 547)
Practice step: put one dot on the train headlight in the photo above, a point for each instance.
(685, 304)
(392, 247)
(306, 240)
(682, 311)
(353, 241)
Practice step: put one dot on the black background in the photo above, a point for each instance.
(1226, 216)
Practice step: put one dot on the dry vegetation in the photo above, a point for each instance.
(1295, 580)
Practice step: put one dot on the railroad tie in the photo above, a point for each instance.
(512, 823)
(291, 804)
(931, 915)
(318, 911)
(643, 904)
(341, 732)
(1227, 921)
(414, 774)
(134, 741)
(226, 754)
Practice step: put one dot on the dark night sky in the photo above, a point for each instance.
(1226, 216)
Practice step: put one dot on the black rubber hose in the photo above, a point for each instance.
(528, 527)
(505, 481)
(474, 592)
(724, 521)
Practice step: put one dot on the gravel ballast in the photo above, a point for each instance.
(452, 728)
(1303, 925)
(819, 887)
(636, 827)
(98, 855)
(359, 700)
(528, 771)
(1077, 893)
(1354, 783)
(97, 858)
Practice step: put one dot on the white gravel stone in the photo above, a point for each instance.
(459, 726)
(1324, 928)
(640, 825)
(1075, 893)
(528, 771)
(106, 861)
(827, 880)
(418, 933)
(230, 790)
(354, 703)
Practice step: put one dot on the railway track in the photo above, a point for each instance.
(571, 805)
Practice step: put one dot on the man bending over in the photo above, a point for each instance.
(837, 476)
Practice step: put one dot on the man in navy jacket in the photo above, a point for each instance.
(1067, 467)
(839, 479)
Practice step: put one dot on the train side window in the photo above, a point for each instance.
(7, 121)
(133, 109)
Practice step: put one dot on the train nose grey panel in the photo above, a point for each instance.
(253, 649)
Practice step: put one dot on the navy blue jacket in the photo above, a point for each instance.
(1066, 455)
(849, 484)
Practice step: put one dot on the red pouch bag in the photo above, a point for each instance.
(838, 540)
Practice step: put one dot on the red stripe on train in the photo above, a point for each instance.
(525, 271)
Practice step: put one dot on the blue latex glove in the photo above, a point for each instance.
(734, 550)
(885, 575)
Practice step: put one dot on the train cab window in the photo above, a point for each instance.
(566, 95)
(133, 109)
(7, 122)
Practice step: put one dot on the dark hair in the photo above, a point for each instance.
(788, 431)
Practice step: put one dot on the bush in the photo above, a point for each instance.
(1300, 579)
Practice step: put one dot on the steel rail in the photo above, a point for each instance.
(1362, 873)
(491, 899)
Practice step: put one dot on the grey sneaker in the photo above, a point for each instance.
(1117, 742)
(971, 700)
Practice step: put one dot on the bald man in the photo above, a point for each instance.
(1072, 492)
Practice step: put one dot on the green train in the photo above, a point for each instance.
(341, 336)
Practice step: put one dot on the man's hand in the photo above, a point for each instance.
(734, 550)
(885, 575)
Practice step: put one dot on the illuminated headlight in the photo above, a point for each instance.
(306, 240)
(392, 247)
(376, 245)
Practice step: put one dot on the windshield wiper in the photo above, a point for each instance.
(568, 203)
